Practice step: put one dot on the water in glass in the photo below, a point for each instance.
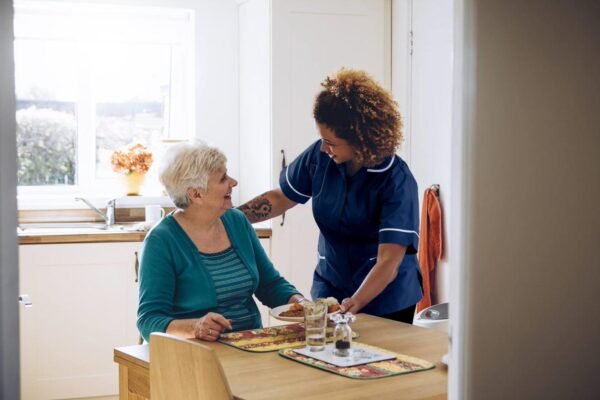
(315, 323)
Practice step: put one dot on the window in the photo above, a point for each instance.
(92, 78)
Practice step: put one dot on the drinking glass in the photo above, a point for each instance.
(315, 323)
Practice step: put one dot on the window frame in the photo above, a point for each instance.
(171, 26)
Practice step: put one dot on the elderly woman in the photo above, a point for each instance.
(202, 263)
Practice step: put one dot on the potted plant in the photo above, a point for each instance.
(132, 162)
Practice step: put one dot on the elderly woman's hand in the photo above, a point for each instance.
(297, 298)
(210, 327)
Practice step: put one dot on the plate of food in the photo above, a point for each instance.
(295, 312)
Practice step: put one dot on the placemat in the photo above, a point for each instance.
(402, 364)
(271, 339)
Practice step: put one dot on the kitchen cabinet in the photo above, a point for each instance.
(286, 49)
(84, 303)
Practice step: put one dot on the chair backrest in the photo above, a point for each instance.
(182, 369)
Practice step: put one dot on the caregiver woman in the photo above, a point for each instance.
(364, 200)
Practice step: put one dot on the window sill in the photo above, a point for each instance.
(52, 209)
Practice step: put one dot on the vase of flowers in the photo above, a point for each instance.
(132, 162)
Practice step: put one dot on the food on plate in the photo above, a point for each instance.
(332, 305)
(297, 309)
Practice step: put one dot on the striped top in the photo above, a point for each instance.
(233, 285)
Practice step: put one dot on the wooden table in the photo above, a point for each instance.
(270, 376)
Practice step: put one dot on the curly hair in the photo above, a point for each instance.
(361, 112)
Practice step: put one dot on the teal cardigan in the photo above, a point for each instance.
(174, 284)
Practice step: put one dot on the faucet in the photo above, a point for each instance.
(109, 217)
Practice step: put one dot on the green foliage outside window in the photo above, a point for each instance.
(46, 147)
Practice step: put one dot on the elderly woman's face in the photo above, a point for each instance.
(220, 186)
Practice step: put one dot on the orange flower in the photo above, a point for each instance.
(133, 158)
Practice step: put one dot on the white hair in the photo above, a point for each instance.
(189, 165)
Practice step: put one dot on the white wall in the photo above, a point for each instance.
(217, 81)
(255, 99)
(530, 99)
(422, 85)
(401, 62)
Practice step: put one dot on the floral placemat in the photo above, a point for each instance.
(402, 364)
(271, 339)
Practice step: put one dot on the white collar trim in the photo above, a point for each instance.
(384, 168)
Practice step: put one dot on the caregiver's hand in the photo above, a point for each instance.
(350, 304)
(210, 327)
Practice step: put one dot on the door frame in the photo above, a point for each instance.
(9, 278)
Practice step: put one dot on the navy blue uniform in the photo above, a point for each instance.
(355, 214)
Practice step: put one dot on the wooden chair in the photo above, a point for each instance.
(183, 369)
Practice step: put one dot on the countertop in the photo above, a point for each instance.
(31, 236)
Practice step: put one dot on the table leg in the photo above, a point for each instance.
(123, 382)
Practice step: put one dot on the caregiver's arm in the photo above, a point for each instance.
(266, 206)
(389, 257)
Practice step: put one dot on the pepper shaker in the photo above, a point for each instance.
(342, 334)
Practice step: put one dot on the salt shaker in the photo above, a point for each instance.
(342, 334)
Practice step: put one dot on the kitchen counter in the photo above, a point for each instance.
(58, 226)
(87, 234)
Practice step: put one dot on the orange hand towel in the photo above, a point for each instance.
(430, 244)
